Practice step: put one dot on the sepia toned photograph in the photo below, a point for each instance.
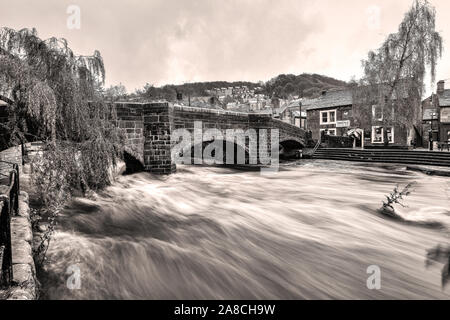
(210, 153)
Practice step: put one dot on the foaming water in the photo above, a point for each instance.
(307, 232)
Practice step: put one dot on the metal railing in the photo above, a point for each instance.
(9, 207)
(317, 145)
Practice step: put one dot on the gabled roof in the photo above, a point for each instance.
(295, 103)
(444, 98)
(331, 99)
(308, 103)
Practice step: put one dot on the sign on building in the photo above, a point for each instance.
(343, 124)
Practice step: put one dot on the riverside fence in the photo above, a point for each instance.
(9, 206)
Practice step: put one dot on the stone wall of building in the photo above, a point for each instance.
(444, 126)
(337, 141)
(362, 121)
(342, 113)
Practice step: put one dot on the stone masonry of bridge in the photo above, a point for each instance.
(148, 128)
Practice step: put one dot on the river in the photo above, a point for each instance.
(309, 231)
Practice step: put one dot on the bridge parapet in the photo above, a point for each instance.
(209, 111)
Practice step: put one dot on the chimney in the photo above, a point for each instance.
(440, 87)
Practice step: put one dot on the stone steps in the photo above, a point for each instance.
(385, 156)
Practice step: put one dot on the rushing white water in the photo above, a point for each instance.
(307, 232)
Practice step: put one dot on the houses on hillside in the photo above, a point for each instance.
(233, 92)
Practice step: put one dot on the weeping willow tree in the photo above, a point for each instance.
(394, 74)
(54, 95)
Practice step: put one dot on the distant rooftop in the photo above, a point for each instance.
(330, 99)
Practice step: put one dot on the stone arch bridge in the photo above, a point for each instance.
(149, 126)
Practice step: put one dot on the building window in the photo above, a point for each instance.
(377, 113)
(390, 134)
(332, 116)
(378, 134)
(328, 117)
(329, 132)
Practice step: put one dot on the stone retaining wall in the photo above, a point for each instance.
(25, 284)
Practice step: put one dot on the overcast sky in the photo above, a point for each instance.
(168, 41)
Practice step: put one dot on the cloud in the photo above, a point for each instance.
(174, 41)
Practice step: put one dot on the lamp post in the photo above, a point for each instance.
(433, 117)
(300, 107)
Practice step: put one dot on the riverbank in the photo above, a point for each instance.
(430, 170)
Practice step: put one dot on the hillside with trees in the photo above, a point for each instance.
(197, 89)
(304, 85)
(282, 86)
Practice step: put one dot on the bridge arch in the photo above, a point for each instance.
(133, 161)
(289, 147)
(237, 151)
(292, 143)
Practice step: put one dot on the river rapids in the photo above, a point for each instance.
(309, 231)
